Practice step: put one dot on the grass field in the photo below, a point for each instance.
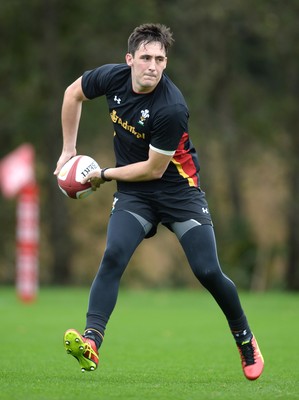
(158, 345)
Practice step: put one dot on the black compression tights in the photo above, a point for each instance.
(200, 248)
(124, 235)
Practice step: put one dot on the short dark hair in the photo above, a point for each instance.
(147, 33)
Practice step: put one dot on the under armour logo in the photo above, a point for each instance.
(205, 210)
(117, 99)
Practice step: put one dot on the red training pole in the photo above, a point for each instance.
(27, 243)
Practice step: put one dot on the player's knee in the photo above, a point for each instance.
(207, 276)
(114, 259)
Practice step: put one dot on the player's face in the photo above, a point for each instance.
(147, 66)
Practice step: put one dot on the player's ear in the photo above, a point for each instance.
(165, 63)
(129, 59)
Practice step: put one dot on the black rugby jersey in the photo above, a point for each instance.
(158, 119)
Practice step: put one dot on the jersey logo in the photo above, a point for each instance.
(144, 116)
(117, 99)
(117, 120)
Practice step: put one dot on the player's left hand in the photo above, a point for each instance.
(96, 183)
(94, 177)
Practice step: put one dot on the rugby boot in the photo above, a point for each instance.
(251, 358)
(82, 348)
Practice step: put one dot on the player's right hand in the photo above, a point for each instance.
(64, 157)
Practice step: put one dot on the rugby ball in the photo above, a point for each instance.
(71, 174)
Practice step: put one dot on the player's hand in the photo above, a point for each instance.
(95, 183)
(64, 157)
(94, 177)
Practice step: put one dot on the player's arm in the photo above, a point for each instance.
(70, 118)
(151, 169)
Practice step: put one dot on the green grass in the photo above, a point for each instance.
(158, 345)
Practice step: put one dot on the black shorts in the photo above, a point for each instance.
(165, 207)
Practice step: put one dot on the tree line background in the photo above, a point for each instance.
(237, 64)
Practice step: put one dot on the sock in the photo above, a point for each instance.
(240, 329)
(95, 335)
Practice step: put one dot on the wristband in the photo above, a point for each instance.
(103, 175)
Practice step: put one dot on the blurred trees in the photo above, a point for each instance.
(237, 65)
